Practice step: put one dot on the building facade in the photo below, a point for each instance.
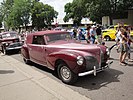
(128, 20)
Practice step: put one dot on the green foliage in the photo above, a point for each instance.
(75, 10)
(16, 13)
(5, 7)
(42, 15)
(20, 14)
(96, 9)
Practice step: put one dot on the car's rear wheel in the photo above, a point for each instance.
(65, 74)
(26, 61)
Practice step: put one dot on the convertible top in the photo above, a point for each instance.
(30, 36)
(47, 32)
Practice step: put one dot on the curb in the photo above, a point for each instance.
(60, 91)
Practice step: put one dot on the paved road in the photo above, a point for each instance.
(115, 83)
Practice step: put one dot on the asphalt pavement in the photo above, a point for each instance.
(18, 81)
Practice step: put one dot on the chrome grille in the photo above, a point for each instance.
(91, 62)
(17, 44)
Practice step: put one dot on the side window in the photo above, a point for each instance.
(38, 40)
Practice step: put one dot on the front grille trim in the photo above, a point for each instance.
(91, 62)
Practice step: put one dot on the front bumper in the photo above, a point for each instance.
(94, 71)
(14, 46)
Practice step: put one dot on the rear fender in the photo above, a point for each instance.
(25, 52)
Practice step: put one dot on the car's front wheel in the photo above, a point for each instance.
(65, 74)
(107, 38)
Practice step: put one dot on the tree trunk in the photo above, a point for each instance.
(111, 20)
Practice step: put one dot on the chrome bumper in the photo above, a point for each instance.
(14, 48)
(94, 71)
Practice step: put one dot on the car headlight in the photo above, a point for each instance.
(6, 44)
(108, 51)
(80, 60)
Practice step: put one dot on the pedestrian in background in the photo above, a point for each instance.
(99, 34)
(75, 33)
(88, 34)
(129, 40)
(123, 46)
(93, 34)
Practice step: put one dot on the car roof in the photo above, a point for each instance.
(8, 32)
(47, 32)
(30, 36)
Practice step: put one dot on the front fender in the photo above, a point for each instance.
(69, 57)
(25, 52)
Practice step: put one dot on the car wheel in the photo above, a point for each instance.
(107, 38)
(26, 61)
(4, 51)
(65, 74)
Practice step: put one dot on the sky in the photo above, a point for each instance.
(57, 4)
(59, 7)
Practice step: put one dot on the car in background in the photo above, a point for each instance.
(131, 33)
(70, 58)
(10, 41)
(110, 33)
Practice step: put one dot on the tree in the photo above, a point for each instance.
(1, 19)
(42, 15)
(96, 9)
(75, 10)
(16, 13)
(20, 14)
(5, 7)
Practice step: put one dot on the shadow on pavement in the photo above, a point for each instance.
(12, 53)
(131, 65)
(6, 71)
(102, 79)
(43, 68)
(113, 59)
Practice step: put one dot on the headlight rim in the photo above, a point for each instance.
(80, 60)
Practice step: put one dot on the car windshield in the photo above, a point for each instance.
(58, 36)
(9, 35)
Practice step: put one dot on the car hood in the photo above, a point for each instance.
(8, 39)
(108, 30)
(75, 47)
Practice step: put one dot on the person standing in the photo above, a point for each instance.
(99, 34)
(129, 40)
(93, 34)
(88, 34)
(123, 46)
(75, 33)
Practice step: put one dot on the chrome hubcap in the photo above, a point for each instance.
(65, 73)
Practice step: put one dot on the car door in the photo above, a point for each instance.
(37, 50)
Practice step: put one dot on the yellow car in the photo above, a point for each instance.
(131, 34)
(109, 34)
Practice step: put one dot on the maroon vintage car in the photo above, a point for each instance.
(10, 41)
(69, 57)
